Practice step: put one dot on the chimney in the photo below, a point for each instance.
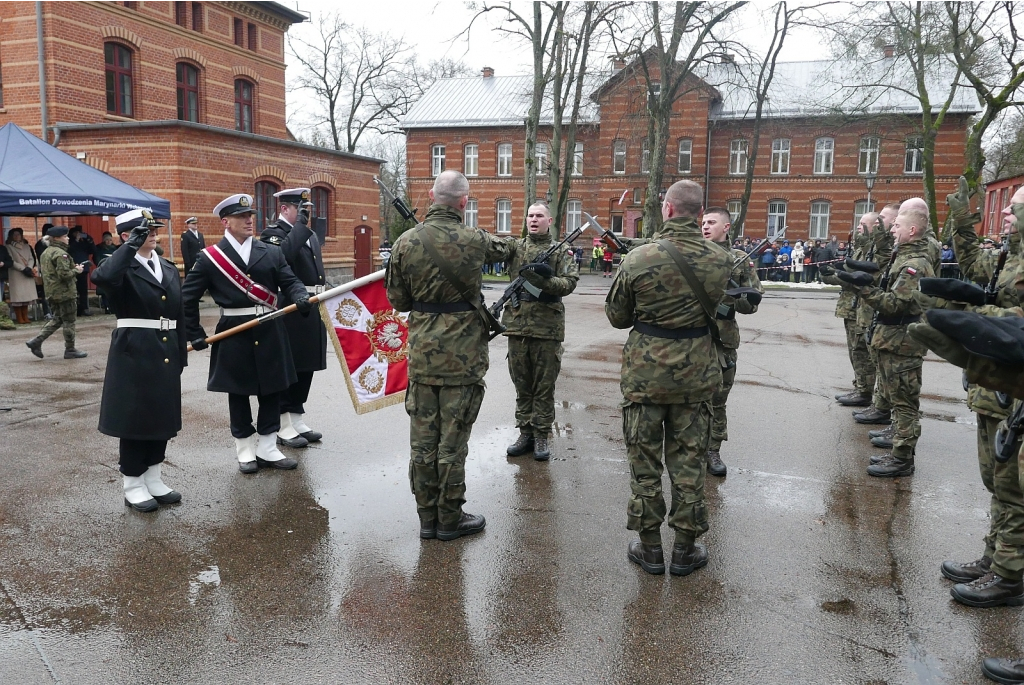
(487, 72)
(618, 63)
(889, 50)
(727, 58)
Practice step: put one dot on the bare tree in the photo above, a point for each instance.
(1005, 151)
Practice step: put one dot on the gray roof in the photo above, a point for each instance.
(799, 89)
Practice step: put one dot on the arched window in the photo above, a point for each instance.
(266, 204)
(118, 60)
(243, 105)
(321, 198)
(188, 91)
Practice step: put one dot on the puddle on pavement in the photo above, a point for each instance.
(208, 578)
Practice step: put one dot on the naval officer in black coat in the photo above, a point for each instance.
(306, 334)
(141, 402)
(192, 242)
(243, 276)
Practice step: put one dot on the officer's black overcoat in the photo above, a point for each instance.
(190, 247)
(257, 361)
(142, 386)
(306, 334)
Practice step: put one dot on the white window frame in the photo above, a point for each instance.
(860, 208)
(821, 212)
(870, 151)
(619, 157)
(471, 215)
(738, 157)
(685, 150)
(780, 156)
(734, 207)
(573, 215)
(913, 158)
(540, 158)
(503, 211)
(437, 157)
(654, 93)
(645, 158)
(824, 156)
(505, 159)
(577, 160)
(471, 160)
(776, 218)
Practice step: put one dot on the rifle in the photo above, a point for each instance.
(884, 286)
(760, 248)
(1008, 436)
(607, 237)
(511, 293)
(992, 289)
(396, 202)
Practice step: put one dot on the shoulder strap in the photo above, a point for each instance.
(695, 285)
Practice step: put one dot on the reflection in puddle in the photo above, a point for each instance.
(211, 576)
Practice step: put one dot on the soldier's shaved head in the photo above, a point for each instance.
(913, 216)
(450, 188)
(686, 198)
(915, 203)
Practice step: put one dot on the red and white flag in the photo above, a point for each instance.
(372, 342)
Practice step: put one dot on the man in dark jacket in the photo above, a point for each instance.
(306, 334)
(243, 276)
(192, 242)
(141, 402)
(80, 247)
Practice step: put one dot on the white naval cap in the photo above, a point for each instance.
(239, 203)
(132, 218)
(294, 196)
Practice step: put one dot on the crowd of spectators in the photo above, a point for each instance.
(797, 263)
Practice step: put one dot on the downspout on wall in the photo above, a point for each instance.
(707, 165)
(42, 71)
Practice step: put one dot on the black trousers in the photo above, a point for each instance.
(138, 455)
(268, 419)
(82, 284)
(297, 394)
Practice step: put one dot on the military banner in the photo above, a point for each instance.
(371, 340)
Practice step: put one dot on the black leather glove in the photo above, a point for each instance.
(199, 344)
(137, 237)
(304, 306)
(539, 268)
(858, 279)
(857, 265)
(954, 289)
(304, 216)
(27, 271)
(825, 270)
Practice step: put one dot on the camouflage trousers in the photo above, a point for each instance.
(1004, 543)
(680, 432)
(860, 359)
(719, 419)
(65, 313)
(441, 418)
(534, 364)
(880, 396)
(900, 375)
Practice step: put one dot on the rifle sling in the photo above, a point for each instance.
(696, 286)
(449, 275)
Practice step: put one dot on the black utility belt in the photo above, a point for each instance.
(670, 333)
(442, 307)
(898, 320)
(731, 316)
(526, 296)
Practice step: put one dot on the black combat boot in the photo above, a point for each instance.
(650, 557)
(1007, 671)
(854, 399)
(715, 465)
(991, 590)
(36, 345)
(468, 524)
(884, 440)
(540, 448)
(879, 458)
(873, 416)
(687, 558)
(881, 432)
(966, 573)
(428, 527)
(522, 445)
(892, 468)
(75, 354)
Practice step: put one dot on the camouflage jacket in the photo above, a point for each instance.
(913, 262)
(650, 288)
(534, 319)
(58, 271)
(879, 251)
(744, 275)
(846, 307)
(444, 349)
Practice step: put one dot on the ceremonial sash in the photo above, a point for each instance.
(253, 290)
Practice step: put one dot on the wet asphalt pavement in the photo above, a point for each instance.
(818, 573)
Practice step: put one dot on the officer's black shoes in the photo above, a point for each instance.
(468, 524)
(75, 354)
(881, 432)
(36, 345)
(522, 445)
(540, 449)
(312, 436)
(172, 497)
(882, 441)
(136, 495)
(285, 464)
(297, 441)
(991, 590)
(428, 528)
(687, 558)
(650, 557)
(966, 573)
(248, 466)
(144, 506)
(872, 416)
(1006, 671)
(854, 399)
(879, 458)
(891, 468)
(715, 465)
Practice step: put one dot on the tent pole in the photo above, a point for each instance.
(170, 240)
(35, 220)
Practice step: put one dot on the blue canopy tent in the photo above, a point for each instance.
(37, 179)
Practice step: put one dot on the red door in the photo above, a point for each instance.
(364, 260)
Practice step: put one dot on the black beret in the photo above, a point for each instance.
(858, 265)
(1000, 339)
(857, 278)
(954, 289)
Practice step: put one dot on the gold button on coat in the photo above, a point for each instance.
(165, 338)
(163, 297)
(257, 342)
(167, 361)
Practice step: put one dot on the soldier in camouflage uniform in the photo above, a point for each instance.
(535, 330)
(59, 273)
(900, 357)
(715, 227)
(671, 368)
(880, 410)
(447, 351)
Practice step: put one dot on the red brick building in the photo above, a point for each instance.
(818, 145)
(185, 100)
(997, 196)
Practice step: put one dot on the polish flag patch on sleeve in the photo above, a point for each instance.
(912, 271)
